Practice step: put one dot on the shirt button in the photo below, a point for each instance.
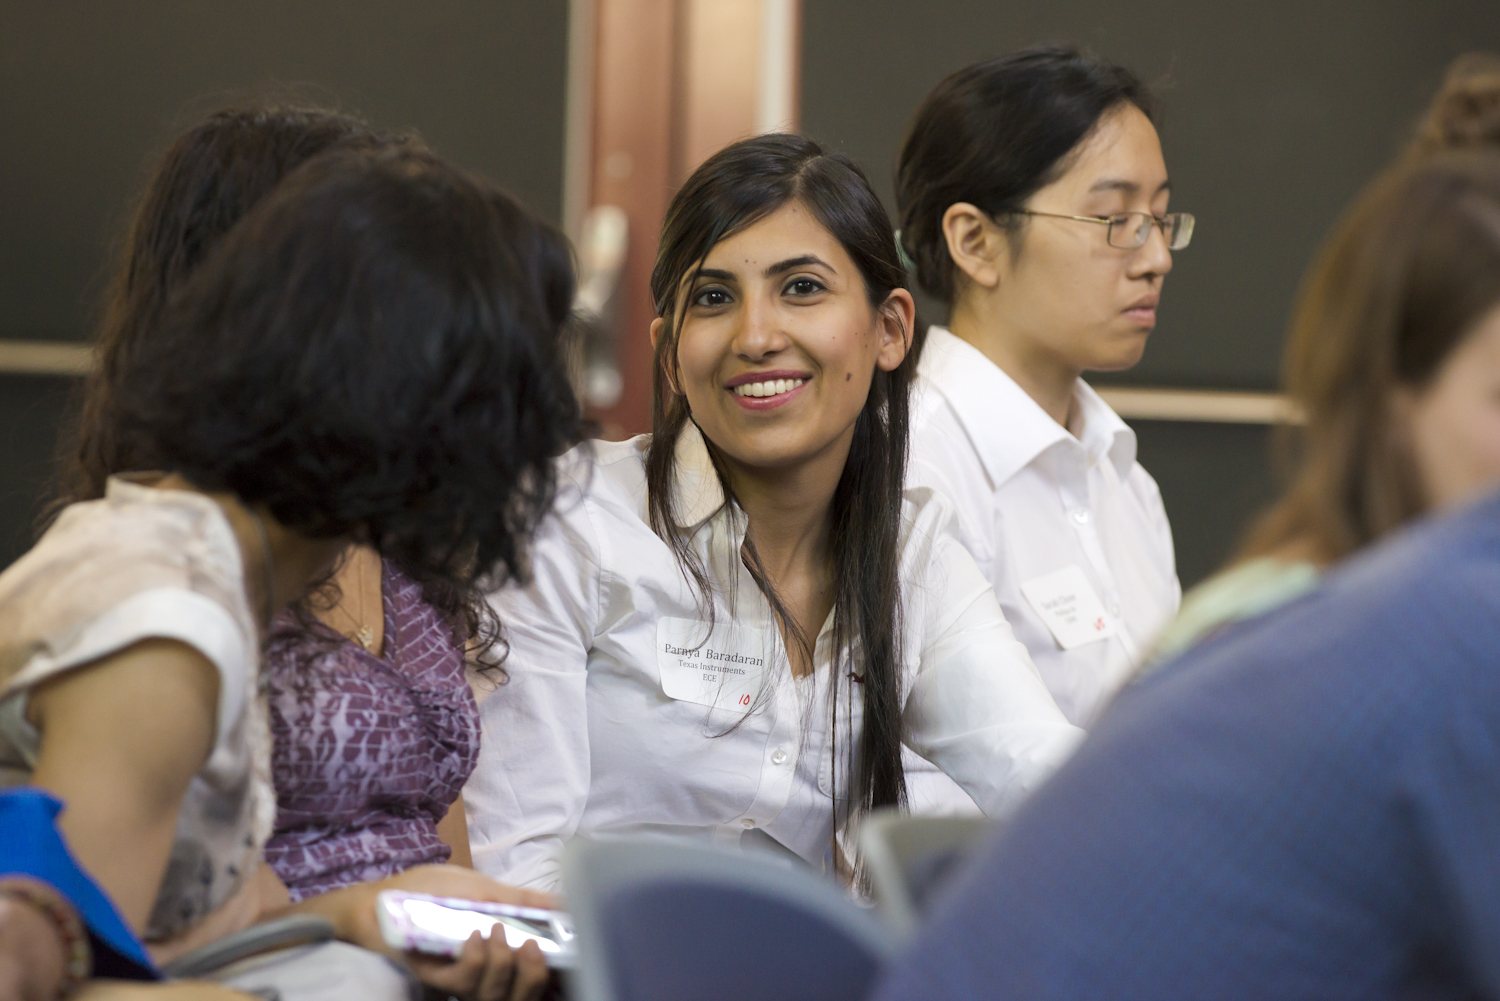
(1115, 609)
(778, 757)
(1081, 516)
(747, 823)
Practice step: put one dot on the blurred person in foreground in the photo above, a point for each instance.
(1306, 805)
(1392, 357)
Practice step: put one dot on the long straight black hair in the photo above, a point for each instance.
(732, 190)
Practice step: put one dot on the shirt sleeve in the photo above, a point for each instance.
(171, 613)
(978, 708)
(943, 460)
(527, 793)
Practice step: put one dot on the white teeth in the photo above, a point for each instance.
(771, 387)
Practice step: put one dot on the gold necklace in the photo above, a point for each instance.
(362, 632)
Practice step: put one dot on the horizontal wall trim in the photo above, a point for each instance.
(1200, 405)
(45, 358)
(53, 358)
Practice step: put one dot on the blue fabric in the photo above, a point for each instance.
(33, 847)
(1306, 806)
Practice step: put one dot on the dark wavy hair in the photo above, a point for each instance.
(203, 184)
(995, 133)
(732, 190)
(371, 353)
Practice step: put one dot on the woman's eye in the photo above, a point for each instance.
(804, 286)
(711, 297)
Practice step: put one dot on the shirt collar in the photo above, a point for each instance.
(1006, 426)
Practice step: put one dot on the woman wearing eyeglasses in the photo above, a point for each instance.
(1033, 200)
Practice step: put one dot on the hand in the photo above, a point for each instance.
(31, 953)
(486, 970)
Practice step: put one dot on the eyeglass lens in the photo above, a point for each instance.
(1132, 230)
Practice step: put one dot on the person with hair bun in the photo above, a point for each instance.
(368, 357)
(1466, 111)
(1033, 202)
(1393, 355)
(737, 622)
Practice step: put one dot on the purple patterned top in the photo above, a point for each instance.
(370, 752)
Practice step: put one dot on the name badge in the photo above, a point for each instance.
(1073, 613)
(722, 669)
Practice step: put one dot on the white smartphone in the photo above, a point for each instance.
(441, 925)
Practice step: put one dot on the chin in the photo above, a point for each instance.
(1123, 353)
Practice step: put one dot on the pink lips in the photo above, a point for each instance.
(1143, 311)
(767, 402)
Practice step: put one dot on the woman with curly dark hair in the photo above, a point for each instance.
(374, 724)
(368, 357)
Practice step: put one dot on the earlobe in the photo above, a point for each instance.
(974, 243)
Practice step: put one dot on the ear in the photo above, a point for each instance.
(898, 320)
(974, 242)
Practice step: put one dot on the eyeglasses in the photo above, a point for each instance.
(1131, 230)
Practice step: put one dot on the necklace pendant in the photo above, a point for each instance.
(367, 638)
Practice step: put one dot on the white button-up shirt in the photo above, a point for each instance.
(1033, 499)
(585, 739)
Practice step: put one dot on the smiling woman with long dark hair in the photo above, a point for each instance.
(735, 623)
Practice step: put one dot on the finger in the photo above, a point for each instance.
(499, 971)
(460, 975)
(531, 973)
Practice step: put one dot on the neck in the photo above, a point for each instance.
(1043, 376)
(294, 561)
(790, 512)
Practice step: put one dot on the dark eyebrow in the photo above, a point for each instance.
(714, 273)
(781, 267)
(1129, 187)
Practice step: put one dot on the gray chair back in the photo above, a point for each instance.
(910, 858)
(665, 919)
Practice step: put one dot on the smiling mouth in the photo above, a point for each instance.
(770, 387)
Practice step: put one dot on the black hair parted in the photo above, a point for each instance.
(372, 353)
(993, 134)
(731, 191)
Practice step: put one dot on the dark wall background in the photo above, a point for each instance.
(1275, 115)
(91, 93)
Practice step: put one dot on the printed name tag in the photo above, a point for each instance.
(722, 670)
(1066, 602)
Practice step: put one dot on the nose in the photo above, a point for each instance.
(1154, 258)
(759, 333)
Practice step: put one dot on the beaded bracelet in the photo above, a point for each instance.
(69, 929)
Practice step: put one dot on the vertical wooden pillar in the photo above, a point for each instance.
(661, 85)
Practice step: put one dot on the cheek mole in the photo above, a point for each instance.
(848, 376)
